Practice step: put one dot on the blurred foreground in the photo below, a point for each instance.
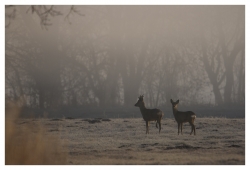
(29, 144)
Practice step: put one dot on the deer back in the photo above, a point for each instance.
(183, 116)
(151, 114)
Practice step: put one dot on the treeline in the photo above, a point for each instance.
(107, 55)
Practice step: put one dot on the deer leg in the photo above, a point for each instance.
(147, 127)
(156, 124)
(159, 126)
(192, 127)
(178, 128)
(181, 128)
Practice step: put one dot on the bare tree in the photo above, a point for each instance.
(219, 53)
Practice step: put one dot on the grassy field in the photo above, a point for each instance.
(218, 141)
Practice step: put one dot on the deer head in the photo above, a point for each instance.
(140, 101)
(174, 104)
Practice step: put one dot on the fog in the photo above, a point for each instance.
(106, 56)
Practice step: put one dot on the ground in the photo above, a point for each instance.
(218, 141)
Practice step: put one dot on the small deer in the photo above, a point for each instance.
(182, 117)
(149, 114)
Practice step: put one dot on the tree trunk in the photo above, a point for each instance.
(41, 99)
(211, 75)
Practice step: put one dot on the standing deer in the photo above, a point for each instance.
(182, 117)
(149, 114)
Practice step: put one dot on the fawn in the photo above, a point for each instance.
(149, 114)
(182, 117)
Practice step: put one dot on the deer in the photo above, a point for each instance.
(149, 114)
(182, 117)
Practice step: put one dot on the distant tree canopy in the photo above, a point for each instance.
(114, 53)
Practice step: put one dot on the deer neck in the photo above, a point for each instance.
(175, 110)
(143, 108)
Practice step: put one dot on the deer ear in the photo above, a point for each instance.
(171, 100)
(177, 101)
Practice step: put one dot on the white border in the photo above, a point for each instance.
(119, 2)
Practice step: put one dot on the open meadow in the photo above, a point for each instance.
(218, 141)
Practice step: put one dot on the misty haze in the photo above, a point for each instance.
(87, 62)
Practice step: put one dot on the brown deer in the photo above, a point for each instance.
(149, 114)
(182, 117)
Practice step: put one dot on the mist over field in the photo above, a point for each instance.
(106, 56)
(74, 73)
